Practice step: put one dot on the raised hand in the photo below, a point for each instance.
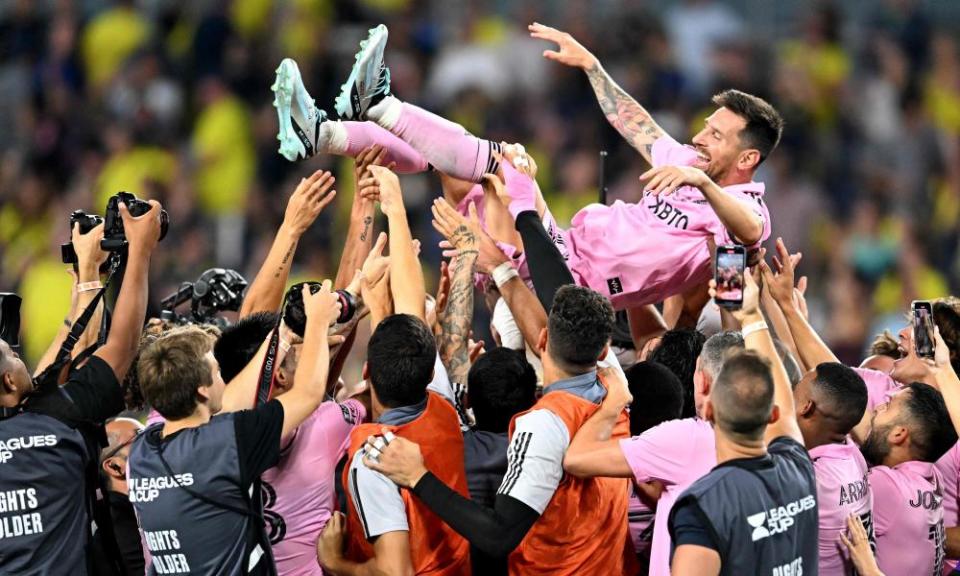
(143, 232)
(666, 179)
(322, 306)
(462, 234)
(517, 155)
(87, 247)
(779, 279)
(312, 195)
(570, 52)
(383, 186)
(372, 156)
(447, 221)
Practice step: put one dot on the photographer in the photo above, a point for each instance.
(190, 477)
(86, 275)
(49, 448)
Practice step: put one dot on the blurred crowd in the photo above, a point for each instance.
(171, 100)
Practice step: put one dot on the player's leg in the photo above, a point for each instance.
(445, 145)
(305, 129)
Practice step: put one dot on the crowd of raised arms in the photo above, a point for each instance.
(621, 423)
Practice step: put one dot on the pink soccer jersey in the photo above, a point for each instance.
(879, 386)
(640, 518)
(842, 489)
(908, 518)
(676, 453)
(476, 195)
(643, 252)
(949, 468)
(298, 494)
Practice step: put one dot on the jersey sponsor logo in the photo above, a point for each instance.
(854, 491)
(276, 525)
(668, 213)
(793, 568)
(614, 285)
(148, 489)
(779, 519)
(11, 445)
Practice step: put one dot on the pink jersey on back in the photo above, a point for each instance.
(298, 494)
(480, 280)
(641, 253)
(908, 518)
(640, 518)
(879, 386)
(677, 453)
(949, 468)
(842, 489)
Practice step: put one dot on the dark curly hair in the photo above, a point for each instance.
(578, 328)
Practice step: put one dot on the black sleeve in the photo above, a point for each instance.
(258, 439)
(548, 269)
(94, 390)
(496, 532)
(689, 528)
(786, 447)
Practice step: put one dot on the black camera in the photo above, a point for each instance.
(216, 290)
(10, 319)
(114, 238)
(87, 223)
(296, 319)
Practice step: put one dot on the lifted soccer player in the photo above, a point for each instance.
(636, 254)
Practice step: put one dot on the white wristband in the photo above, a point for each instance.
(755, 327)
(88, 286)
(504, 273)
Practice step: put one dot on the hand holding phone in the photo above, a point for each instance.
(923, 328)
(729, 267)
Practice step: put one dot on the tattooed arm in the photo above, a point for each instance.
(308, 200)
(630, 119)
(458, 315)
(360, 234)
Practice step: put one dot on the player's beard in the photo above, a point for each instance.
(876, 448)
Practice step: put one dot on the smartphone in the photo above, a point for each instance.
(923, 328)
(731, 262)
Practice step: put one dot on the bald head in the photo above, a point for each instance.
(742, 396)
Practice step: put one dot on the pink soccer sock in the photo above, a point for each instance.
(446, 146)
(362, 135)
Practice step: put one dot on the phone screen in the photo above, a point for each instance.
(923, 329)
(731, 262)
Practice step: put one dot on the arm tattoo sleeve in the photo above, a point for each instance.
(458, 317)
(630, 119)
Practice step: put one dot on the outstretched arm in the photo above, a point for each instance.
(312, 195)
(406, 275)
(592, 450)
(143, 233)
(780, 281)
(631, 120)
(458, 312)
(757, 338)
(496, 531)
(743, 223)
